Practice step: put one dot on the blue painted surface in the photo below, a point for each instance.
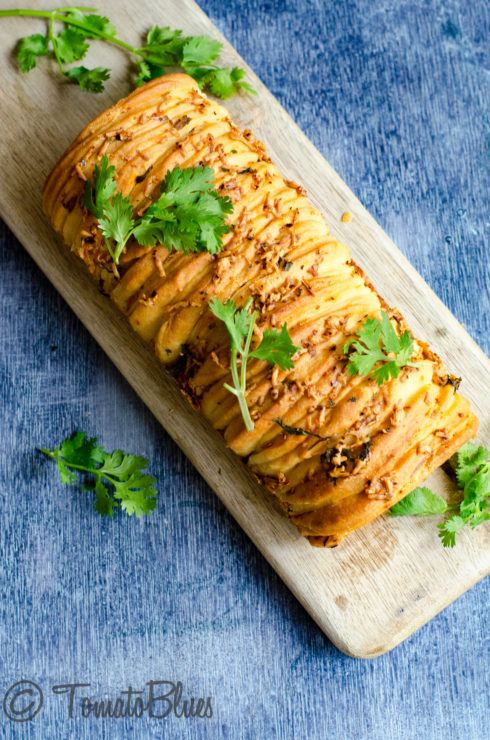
(393, 94)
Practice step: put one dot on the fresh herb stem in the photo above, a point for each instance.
(54, 41)
(276, 348)
(55, 455)
(240, 381)
(56, 15)
(239, 390)
(253, 319)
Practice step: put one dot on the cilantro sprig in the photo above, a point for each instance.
(276, 347)
(164, 47)
(189, 215)
(472, 468)
(116, 478)
(377, 343)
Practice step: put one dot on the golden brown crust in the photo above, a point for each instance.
(378, 442)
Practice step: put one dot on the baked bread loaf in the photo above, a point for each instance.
(364, 446)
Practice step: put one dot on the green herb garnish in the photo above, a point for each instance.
(473, 473)
(164, 47)
(115, 478)
(276, 348)
(377, 342)
(189, 215)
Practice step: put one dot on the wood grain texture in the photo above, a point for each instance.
(379, 586)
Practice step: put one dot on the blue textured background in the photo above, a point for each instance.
(393, 94)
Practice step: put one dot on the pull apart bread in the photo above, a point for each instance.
(373, 443)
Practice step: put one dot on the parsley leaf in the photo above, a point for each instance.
(115, 478)
(473, 474)
(189, 215)
(275, 347)
(29, 48)
(378, 342)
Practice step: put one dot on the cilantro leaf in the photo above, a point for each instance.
(104, 503)
(89, 79)
(384, 372)
(115, 478)
(181, 185)
(136, 494)
(237, 321)
(200, 50)
(420, 502)
(447, 531)
(226, 82)
(147, 71)
(478, 519)
(237, 75)
(166, 35)
(71, 45)
(122, 464)
(189, 215)
(113, 212)
(164, 47)
(96, 194)
(469, 458)
(117, 224)
(473, 474)
(94, 26)
(80, 451)
(391, 340)
(378, 342)
(29, 48)
(276, 347)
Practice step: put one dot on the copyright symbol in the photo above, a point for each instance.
(23, 701)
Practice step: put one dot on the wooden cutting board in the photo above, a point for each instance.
(384, 581)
